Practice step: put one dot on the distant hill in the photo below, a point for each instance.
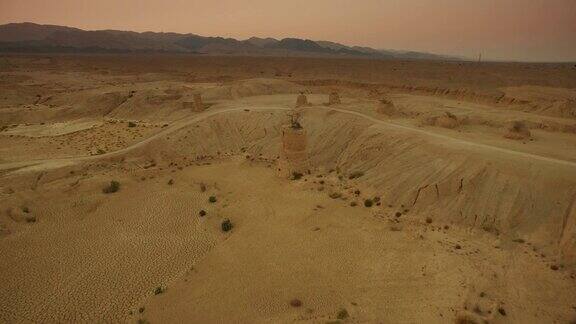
(35, 38)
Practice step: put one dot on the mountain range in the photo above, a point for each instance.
(36, 38)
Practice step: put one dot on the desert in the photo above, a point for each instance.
(229, 189)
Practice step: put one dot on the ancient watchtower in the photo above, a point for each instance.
(302, 100)
(293, 156)
(197, 105)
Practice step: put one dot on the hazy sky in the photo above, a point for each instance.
(533, 30)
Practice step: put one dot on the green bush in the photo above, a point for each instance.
(368, 203)
(355, 174)
(114, 186)
(296, 175)
(342, 314)
(226, 225)
(335, 195)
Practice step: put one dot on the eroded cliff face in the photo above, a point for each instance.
(510, 194)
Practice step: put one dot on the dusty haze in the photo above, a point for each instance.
(525, 30)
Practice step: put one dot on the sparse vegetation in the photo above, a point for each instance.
(368, 203)
(395, 228)
(342, 314)
(159, 290)
(355, 174)
(297, 175)
(226, 225)
(113, 187)
(295, 302)
(335, 195)
(212, 199)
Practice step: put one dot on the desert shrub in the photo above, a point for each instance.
(398, 214)
(202, 213)
(171, 181)
(335, 195)
(368, 203)
(212, 199)
(30, 219)
(295, 302)
(26, 209)
(100, 151)
(355, 174)
(131, 124)
(226, 225)
(296, 175)
(342, 314)
(429, 220)
(114, 186)
(395, 228)
(353, 204)
(158, 290)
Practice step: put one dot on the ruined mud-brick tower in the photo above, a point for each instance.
(334, 98)
(293, 156)
(197, 105)
(302, 100)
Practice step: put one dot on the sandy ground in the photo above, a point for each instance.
(466, 223)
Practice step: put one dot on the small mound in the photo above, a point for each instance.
(518, 131)
(386, 107)
(334, 98)
(448, 120)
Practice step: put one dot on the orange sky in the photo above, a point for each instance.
(531, 30)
